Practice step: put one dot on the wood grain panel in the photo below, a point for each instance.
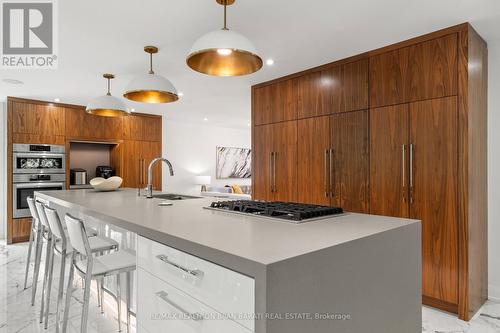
(331, 89)
(433, 133)
(38, 139)
(37, 119)
(261, 170)
(388, 72)
(84, 126)
(353, 158)
(133, 128)
(432, 69)
(275, 103)
(355, 85)
(21, 229)
(472, 175)
(388, 133)
(285, 150)
(312, 165)
(311, 101)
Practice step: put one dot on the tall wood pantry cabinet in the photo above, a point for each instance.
(397, 131)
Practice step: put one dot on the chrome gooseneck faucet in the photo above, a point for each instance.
(149, 187)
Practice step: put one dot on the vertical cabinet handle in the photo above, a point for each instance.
(271, 154)
(274, 172)
(332, 190)
(403, 162)
(411, 172)
(326, 173)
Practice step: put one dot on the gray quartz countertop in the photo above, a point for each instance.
(244, 243)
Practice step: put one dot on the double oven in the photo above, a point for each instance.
(36, 168)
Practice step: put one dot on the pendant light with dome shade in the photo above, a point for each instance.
(151, 87)
(107, 105)
(224, 52)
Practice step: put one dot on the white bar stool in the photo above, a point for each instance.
(95, 269)
(35, 225)
(62, 248)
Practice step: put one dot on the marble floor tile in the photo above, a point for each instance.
(18, 316)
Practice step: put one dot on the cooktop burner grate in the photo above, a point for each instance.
(283, 210)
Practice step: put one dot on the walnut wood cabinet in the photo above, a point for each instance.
(276, 169)
(419, 152)
(136, 138)
(414, 174)
(333, 161)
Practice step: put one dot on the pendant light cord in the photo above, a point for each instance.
(109, 86)
(225, 16)
(151, 63)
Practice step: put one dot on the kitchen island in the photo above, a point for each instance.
(350, 273)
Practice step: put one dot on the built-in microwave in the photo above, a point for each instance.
(38, 159)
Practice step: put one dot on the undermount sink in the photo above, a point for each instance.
(171, 196)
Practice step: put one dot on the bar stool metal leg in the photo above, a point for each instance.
(128, 276)
(86, 300)
(60, 290)
(69, 292)
(49, 285)
(45, 276)
(30, 247)
(119, 301)
(101, 295)
(38, 257)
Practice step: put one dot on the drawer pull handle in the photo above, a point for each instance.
(193, 316)
(196, 272)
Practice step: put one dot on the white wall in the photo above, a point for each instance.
(494, 169)
(3, 171)
(191, 148)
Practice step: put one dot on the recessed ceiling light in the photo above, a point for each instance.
(249, 124)
(180, 94)
(132, 110)
(12, 81)
(57, 100)
(205, 119)
(270, 62)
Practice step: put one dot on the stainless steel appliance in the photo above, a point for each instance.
(43, 159)
(24, 185)
(78, 177)
(104, 171)
(36, 168)
(290, 212)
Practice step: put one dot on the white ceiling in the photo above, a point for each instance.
(98, 36)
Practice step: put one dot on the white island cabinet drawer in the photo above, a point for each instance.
(224, 290)
(163, 308)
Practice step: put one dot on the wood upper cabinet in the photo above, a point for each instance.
(389, 168)
(433, 134)
(275, 102)
(37, 119)
(355, 85)
(142, 127)
(275, 167)
(320, 93)
(82, 125)
(421, 71)
(432, 69)
(388, 78)
(313, 167)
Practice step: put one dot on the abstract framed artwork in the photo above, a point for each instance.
(233, 163)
